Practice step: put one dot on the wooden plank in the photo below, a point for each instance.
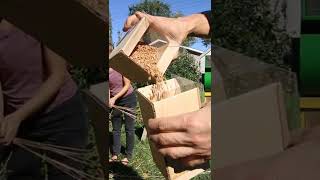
(167, 56)
(66, 26)
(131, 39)
(120, 61)
(311, 118)
(250, 126)
(176, 103)
(188, 101)
(98, 113)
(128, 68)
(144, 134)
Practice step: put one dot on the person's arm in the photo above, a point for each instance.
(56, 69)
(56, 73)
(198, 24)
(126, 86)
(174, 29)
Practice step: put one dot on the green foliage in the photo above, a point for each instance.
(110, 27)
(184, 66)
(153, 7)
(157, 8)
(251, 28)
(85, 77)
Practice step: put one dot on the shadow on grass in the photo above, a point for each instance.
(139, 131)
(120, 171)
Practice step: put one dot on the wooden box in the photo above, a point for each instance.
(97, 113)
(120, 61)
(73, 29)
(177, 102)
(249, 126)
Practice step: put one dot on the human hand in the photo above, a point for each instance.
(185, 137)
(112, 101)
(9, 128)
(173, 29)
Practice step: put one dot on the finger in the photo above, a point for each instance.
(167, 124)
(130, 22)
(193, 161)
(176, 152)
(171, 139)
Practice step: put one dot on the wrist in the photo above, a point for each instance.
(188, 24)
(20, 115)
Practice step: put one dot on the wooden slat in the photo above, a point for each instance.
(98, 114)
(176, 103)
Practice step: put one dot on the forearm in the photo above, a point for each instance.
(122, 92)
(47, 91)
(197, 24)
(56, 70)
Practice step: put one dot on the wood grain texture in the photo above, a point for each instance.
(177, 103)
(98, 113)
(250, 126)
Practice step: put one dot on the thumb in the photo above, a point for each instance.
(140, 15)
(133, 20)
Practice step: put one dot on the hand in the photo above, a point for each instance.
(9, 128)
(112, 101)
(173, 29)
(185, 137)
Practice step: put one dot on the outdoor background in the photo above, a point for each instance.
(142, 165)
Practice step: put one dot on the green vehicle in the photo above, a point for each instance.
(206, 72)
(308, 64)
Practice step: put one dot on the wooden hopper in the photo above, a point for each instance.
(176, 103)
(71, 28)
(120, 61)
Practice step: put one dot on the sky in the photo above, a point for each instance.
(119, 12)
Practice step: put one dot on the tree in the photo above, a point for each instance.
(251, 28)
(184, 66)
(110, 27)
(153, 7)
(157, 8)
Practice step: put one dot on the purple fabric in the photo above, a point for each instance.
(22, 71)
(116, 83)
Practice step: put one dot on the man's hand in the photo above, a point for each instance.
(112, 101)
(9, 128)
(174, 30)
(185, 137)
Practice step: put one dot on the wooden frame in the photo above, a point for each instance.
(177, 103)
(98, 113)
(250, 126)
(120, 61)
(68, 27)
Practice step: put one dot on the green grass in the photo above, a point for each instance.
(142, 165)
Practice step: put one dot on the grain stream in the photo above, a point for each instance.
(147, 57)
